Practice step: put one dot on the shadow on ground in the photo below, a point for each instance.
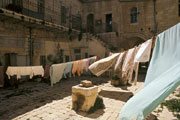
(32, 95)
(122, 96)
(94, 115)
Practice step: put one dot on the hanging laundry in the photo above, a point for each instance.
(103, 65)
(134, 66)
(19, 71)
(68, 70)
(47, 71)
(84, 62)
(1, 76)
(38, 70)
(75, 67)
(79, 69)
(162, 77)
(143, 55)
(92, 60)
(119, 62)
(127, 68)
(56, 72)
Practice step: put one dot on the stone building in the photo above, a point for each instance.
(125, 23)
(34, 32)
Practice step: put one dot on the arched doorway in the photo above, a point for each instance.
(131, 42)
(90, 23)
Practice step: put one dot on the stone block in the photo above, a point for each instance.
(83, 98)
(86, 83)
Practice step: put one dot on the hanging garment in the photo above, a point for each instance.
(134, 66)
(119, 62)
(162, 77)
(38, 70)
(143, 55)
(19, 71)
(92, 60)
(103, 65)
(75, 67)
(68, 70)
(47, 71)
(79, 68)
(56, 72)
(84, 62)
(127, 68)
(1, 76)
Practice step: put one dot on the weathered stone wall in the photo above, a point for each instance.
(15, 38)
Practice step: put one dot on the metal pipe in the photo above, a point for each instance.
(155, 21)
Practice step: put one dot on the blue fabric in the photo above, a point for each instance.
(68, 70)
(163, 76)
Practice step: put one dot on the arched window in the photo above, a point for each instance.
(134, 15)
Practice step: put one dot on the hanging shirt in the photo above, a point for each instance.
(38, 70)
(19, 71)
(162, 77)
(79, 69)
(56, 72)
(127, 67)
(75, 67)
(68, 70)
(103, 65)
(143, 55)
(84, 62)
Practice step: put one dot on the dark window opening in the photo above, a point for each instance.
(134, 15)
(86, 55)
(90, 23)
(41, 7)
(67, 58)
(77, 50)
(43, 60)
(109, 23)
(63, 14)
(78, 57)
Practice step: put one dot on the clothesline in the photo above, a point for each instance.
(58, 71)
(124, 63)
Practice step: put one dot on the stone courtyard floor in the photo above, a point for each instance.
(40, 101)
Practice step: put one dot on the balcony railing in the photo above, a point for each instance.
(40, 11)
(101, 28)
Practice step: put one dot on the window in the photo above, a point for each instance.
(41, 6)
(77, 50)
(179, 7)
(86, 55)
(67, 58)
(42, 60)
(134, 15)
(63, 14)
(109, 23)
(78, 57)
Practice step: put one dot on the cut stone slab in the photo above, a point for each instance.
(83, 98)
(86, 83)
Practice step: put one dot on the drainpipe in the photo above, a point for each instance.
(30, 46)
(155, 21)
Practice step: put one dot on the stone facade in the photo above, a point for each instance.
(129, 34)
(102, 23)
(23, 41)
